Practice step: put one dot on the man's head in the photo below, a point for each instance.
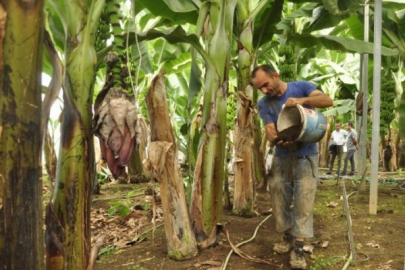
(266, 79)
(349, 126)
(338, 126)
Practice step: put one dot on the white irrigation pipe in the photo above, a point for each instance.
(223, 267)
(349, 224)
(347, 263)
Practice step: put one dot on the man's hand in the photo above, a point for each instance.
(292, 102)
(280, 142)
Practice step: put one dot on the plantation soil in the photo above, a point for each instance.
(133, 242)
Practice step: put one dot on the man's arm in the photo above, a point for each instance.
(316, 99)
(271, 132)
(355, 142)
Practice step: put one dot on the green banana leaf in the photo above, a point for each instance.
(304, 11)
(181, 5)
(142, 53)
(341, 107)
(173, 35)
(265, 23)
(339, 44)
(163, 9)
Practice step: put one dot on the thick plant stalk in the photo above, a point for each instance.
(21, 222)
(75, 168)
(50, 156)
(244, 193)
(164, 166)
(206, 205)
(245, 158)
(51, 95)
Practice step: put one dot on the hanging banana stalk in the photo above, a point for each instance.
(115, 119)
(287, 67)
(387, 114)
(103, 31)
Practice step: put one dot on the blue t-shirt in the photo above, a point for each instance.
(270, 107)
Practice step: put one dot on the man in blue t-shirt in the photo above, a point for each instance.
(293, 176)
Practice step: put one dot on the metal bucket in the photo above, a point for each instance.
(306, 124)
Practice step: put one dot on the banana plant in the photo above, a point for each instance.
(206, 204)
(206, 201)
(163, 164)
(73, 26)
(248, 165)
(21, 135)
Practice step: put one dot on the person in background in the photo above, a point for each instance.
(387, 156)
(294, 173)
(339, 137)
(332, 150)
(352, 146)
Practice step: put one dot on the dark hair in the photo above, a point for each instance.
(269, 70)
(350, 124)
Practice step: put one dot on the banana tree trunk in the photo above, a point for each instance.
(164, 166)
(244, 192)
(244, 166)
(206, 205)
(50, 156)
(75, 168)
(21, 222)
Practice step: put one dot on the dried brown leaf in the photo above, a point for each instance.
(333, 204)
(118, 111)
(309, 248)
(106, 128)
(209, 262)
(131, 119)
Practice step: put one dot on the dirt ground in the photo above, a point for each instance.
(132, 242)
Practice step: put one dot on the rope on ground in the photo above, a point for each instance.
(240, 253)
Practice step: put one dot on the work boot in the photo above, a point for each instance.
(328, 173)
(286, 245)
(297, 259)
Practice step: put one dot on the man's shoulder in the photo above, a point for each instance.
(302, 83)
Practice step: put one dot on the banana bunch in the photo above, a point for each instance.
(115, 124)
(287, 65)
(115, 119)
(285, 50)
(387, 114)
(103, 31)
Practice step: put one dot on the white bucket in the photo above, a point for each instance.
(311, 125)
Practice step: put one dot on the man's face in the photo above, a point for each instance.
(267, 85)
(337, 127)
(349, 127)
